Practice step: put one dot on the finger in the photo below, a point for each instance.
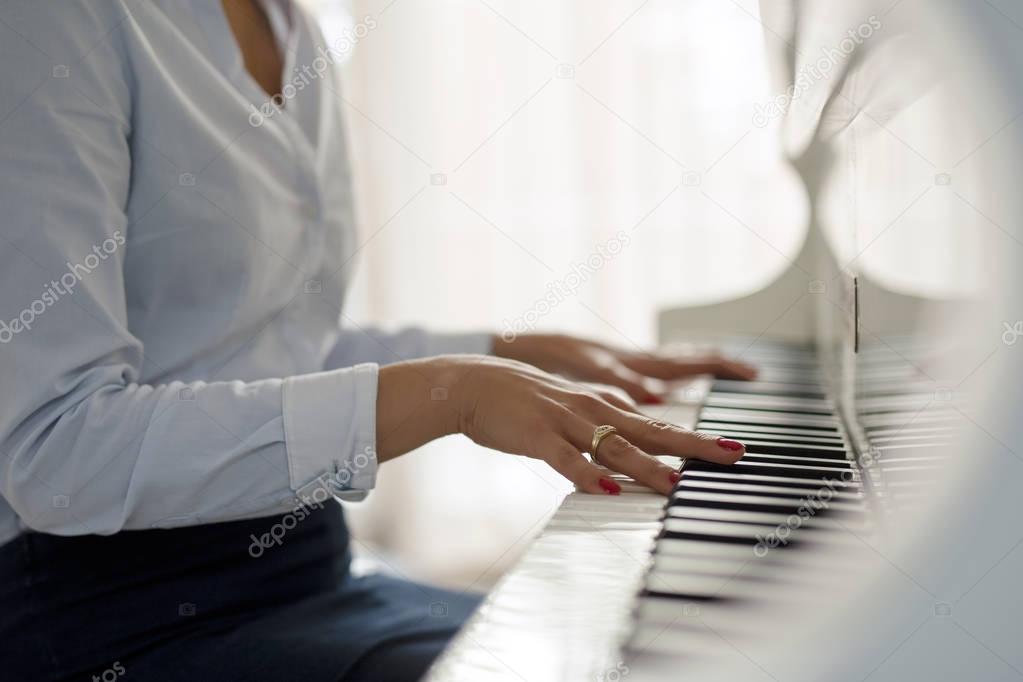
(614, 395)
(672, 368)
(622, 402)
(721, 368)
(618, 454)
(633, 383)
(662, 438)
(568, 461)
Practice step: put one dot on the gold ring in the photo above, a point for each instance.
(599, 434)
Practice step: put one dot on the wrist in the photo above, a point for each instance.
(501, 346)
(417, 401)
(450, 390)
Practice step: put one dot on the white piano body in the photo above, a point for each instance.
(904, 299)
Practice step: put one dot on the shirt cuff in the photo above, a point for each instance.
(330, 433)
(474, 343)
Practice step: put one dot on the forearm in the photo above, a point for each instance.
(549, 352)
(357, 344)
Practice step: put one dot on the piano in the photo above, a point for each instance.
(873, 529)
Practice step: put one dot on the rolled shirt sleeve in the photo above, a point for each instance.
(311, 406)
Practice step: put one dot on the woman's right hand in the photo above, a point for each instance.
(516, 408)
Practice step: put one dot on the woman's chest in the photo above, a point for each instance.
(225, 199)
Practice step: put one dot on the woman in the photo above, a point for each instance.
(179, 398)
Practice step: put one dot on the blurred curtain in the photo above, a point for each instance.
(498, 146)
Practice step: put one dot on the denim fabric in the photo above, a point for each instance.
(213, 602)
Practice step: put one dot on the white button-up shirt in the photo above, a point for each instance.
(172, 271)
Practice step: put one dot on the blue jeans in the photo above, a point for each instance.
(211, 602)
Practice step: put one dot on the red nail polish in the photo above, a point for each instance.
(610, 486)
(729, 444)
(655, 400)
(674, 477)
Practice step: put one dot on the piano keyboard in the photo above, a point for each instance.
(639, 584)
(737, 539)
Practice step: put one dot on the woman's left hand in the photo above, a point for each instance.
(640, 374)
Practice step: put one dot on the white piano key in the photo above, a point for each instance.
(784, 460)
(749, 402)
(680, 414)
(769, 418)
(735, 516)
(768, 429)
(717, 529)
(700, 548)
(729, 564)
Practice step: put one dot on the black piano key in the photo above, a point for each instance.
(741, 541)
(685, 597)
(797, 462)
(772, 469)
(742, 535)
(674, 524)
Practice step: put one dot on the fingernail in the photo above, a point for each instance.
(654, 400)
(729, 444)
(674, 477)
(610, 486)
